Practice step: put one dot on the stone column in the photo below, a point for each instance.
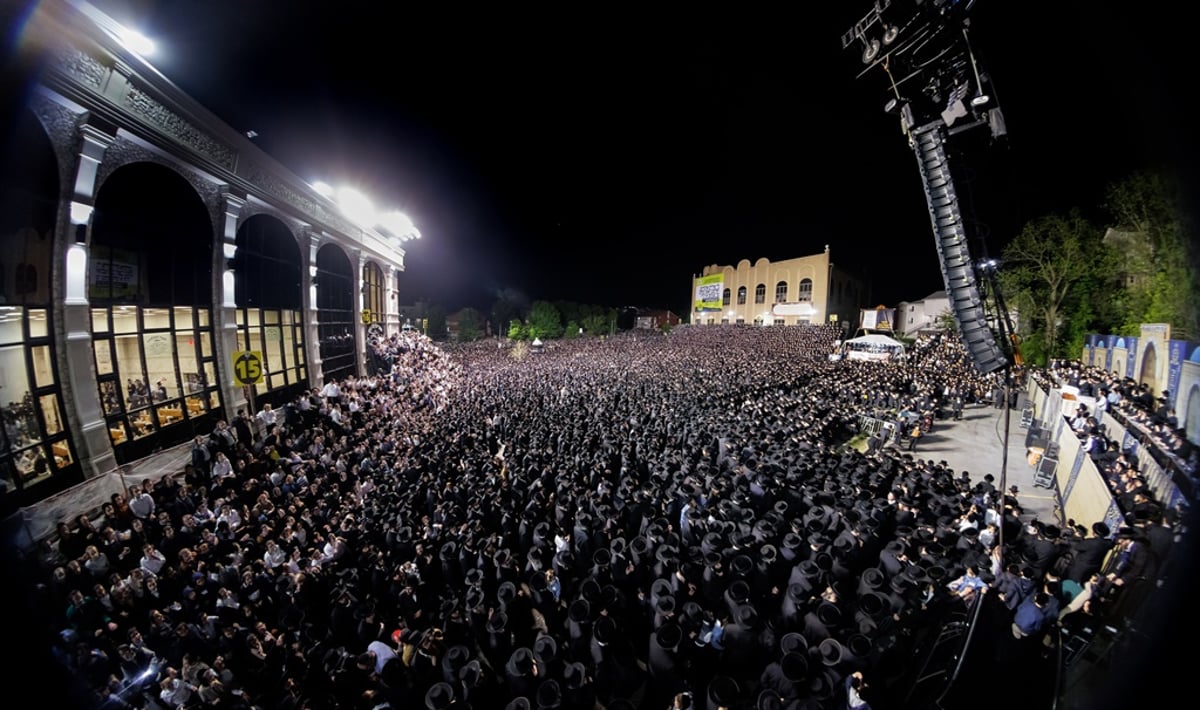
(312, 343)
(391, 300)
(94, 443)
(360, 330)
(225, 333)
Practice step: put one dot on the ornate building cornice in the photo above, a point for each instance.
(179, 129)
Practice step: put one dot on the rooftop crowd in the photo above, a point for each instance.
(642, 520)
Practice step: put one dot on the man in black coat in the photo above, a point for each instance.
(241, 424)
(1159, 539)
(1043, 549)
(1089, 554)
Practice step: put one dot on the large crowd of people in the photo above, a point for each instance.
(650, 520)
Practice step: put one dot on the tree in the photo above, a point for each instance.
(517, 330)
(545, 320)
(509, 304)
(470, 325)
(597, 323)
(1044, 267)
(1153, 238)
(437, 323)
(572, 330)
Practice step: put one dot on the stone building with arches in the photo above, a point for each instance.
(144, 242)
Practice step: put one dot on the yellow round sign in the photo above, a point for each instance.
(247, 367)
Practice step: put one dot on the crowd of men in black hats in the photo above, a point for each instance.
(664, 520)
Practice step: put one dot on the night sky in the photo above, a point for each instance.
(628, 149)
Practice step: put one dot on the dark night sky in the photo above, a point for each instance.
(529, 142)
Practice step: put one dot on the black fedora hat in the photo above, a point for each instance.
(602, 557)
(828, 613)
(498, 623)
(794, 666)
(873, 578)
(858, 645)
(665, 604)
(768, 699)
(506, 593)
(579, 611)
(902, 584)
(1101, 529)
(809, 569)
(471, 673)
(589, 589)
(549, 694)
(474, 577)
(792, 541)
(824, 561)
(830, 651)
(767, 553)
(668, 636)
(545, 648)
(793, 642)
(439, 696)
(518, 703)
(660, 587)
(747, 615)
(604, 629)
(575, 675)
(819, 686)
(456, 657)
(739, 591)
(520, 663)
(872, 604)
(723, 691)
(936, 573)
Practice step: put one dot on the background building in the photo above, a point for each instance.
(800, 291)
(915, 317)
(655, 319)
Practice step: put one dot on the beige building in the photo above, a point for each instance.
(801, 291)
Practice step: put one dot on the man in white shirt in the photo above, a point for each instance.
(266, 418)
(332, 392)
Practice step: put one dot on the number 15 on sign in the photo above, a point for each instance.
(247, 367)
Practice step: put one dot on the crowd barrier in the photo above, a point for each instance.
(1080, 488)
(32, 524)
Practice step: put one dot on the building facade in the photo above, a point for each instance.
(807, 290)
(153, 261)
(915, 317)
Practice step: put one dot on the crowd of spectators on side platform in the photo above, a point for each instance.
(646, 516)
(1151, 421)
